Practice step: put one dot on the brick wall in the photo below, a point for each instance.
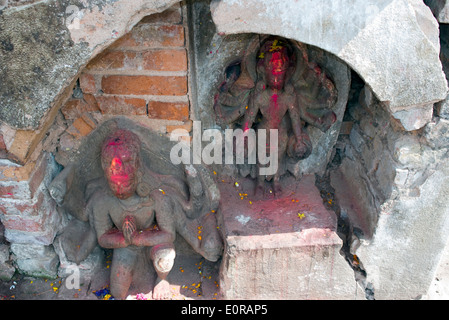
(27, 211)
(143, 75)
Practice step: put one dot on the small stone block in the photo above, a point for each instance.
(281, 248)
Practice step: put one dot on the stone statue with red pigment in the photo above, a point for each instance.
(133, 217)
(276, 87)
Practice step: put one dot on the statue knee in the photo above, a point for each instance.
(163, 257)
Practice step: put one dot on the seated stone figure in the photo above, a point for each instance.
(121, 191)
(133, 217)
(126, 222)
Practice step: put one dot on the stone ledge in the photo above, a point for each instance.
(283, 248)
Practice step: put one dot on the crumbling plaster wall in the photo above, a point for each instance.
(45, 44)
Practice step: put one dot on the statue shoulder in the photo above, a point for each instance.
(260, 86)
(161, 199)
(99, 195)
(289, 89)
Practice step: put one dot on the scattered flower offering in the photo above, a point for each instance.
(103, 294)
(141, 296)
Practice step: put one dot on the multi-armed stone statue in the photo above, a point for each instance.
(276, 87)
(138, 212)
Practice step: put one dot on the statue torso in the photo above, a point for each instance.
(142, 209)
(274, 104)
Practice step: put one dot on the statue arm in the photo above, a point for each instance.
(317, 92)
(250, 114)
(108, 236)
(111, 239)
(235, 103)
(322, 119)
(228, 99)
(295, 117)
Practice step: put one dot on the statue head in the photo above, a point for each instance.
(276, 62)
(120, 160)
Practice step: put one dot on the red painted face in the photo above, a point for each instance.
(276, 66)
(120, 161)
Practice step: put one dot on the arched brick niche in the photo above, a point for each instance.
(142, 76)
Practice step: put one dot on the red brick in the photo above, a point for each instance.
(87, 83)
(38, 174)
(121, 105)
(83, 127)
(25, 187)
(21, 190)
(92, 103)
(165, 60)
(21, 224)
(17, 173)
(74, 132)
(153, 36)
(109, 60)
(126, 40)
(8, 191)
(21, 207)
(24, 142)
(168, 110)
(2, 143)
(144, 85)
(74, 108)
(186, 126)
(171, 36)
(43, 212)
(80, 128)
(71, 108)
(89, 120)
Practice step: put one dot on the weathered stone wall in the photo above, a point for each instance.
(29, 215)
(391, 186)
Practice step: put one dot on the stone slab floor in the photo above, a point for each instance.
(192, 278)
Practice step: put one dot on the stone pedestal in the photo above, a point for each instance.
(281, 248)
